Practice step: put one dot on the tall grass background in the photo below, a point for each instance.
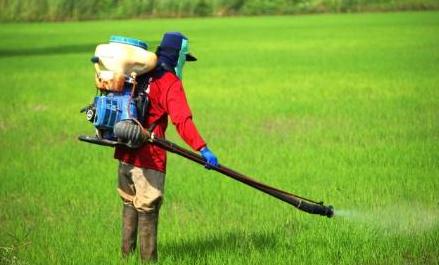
(62, 10)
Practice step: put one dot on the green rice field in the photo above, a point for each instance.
(339, 108)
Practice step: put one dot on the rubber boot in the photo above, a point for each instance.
(129, 229)
(148, 235)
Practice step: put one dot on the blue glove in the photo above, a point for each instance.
(209, 157)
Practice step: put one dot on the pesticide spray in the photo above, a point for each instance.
(401, 218)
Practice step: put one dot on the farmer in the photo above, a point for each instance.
(142, 171)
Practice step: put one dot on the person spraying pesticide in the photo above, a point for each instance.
(139, 90)
(149, 97)
(142, 170)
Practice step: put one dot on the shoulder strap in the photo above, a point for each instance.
(155, 123)
(143, 82)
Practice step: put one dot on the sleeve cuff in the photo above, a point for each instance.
(201, 147)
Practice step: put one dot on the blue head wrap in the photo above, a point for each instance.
(173, 52)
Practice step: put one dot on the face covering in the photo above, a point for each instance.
(181, 58)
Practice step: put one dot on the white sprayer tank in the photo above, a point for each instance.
(125, 55)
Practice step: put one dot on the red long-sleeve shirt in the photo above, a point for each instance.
(166, 97)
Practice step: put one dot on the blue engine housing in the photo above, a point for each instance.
(112, 108)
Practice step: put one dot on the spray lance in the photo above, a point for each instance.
(300, 203)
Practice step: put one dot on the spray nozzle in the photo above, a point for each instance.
(316, 208)
(329, 211)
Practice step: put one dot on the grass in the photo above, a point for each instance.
(340, 108)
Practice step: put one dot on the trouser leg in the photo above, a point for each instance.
(148, 226)
(129, 213)
(151, 182)
(129, 229)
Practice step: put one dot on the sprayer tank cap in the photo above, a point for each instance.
(129, 41)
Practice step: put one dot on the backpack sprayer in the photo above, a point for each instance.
(121, 108)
